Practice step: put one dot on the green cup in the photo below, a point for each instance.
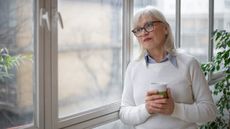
(160, 87)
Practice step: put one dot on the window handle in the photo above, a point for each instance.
(59, 17)
(44, 16)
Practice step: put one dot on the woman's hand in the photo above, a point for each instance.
(158, 104)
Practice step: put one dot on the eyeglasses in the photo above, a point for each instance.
(148, 27)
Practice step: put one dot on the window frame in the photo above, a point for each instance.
(39, 70)
(39, 97)
(90, 118)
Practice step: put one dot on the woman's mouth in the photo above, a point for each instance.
(147, 39)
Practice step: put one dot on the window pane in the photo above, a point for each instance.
(222, 14)
(194, 28)
(221, 19)
(165, 6)
(16, 82)
(89, 58)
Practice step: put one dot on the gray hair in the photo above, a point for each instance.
(151, 11)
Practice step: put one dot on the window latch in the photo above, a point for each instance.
(44, 16)
(59, 18)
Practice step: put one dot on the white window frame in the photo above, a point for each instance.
(39, 70)
(90, 118)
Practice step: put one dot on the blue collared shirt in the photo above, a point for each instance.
(170, 57)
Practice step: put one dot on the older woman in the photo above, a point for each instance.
(189, 99)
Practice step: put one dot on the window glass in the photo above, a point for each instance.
(165, 6)
(222, 14)
(16, 63)
(195, 28)
(221, 17)
(89, 54)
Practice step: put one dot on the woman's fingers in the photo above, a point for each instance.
(158, 104)
(152, 109)
(163, 106)
(153, 97)
(161, 101)
(156, 108)
(169, 93)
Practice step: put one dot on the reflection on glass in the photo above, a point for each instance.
(194, 28)
(165, 6)
(16, 82)
(89, 55)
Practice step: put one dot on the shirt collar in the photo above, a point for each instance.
(170, 57)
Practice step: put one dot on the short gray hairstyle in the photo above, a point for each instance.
(151, 11)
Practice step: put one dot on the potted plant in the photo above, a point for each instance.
(220, 64)
(8, 62)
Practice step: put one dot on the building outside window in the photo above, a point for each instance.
(89, 55)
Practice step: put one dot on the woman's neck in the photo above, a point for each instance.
(157, 54)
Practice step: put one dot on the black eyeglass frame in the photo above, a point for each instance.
(144, 28)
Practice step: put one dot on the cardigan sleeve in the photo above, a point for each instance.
(130, 113)
(203, 109)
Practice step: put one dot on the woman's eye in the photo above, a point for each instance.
(138, 30)
(149, 25)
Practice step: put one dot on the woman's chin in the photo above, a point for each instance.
(147, 45)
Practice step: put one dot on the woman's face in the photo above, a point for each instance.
(154, 39)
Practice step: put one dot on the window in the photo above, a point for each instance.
(89, 55)
(17, 101)
(222, 14)
(143, 3)
(227, 4)
(195, 28)
(221, 22)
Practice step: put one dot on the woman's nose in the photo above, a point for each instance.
(144, 33)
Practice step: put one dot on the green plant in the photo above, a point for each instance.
(8, 62)
(220, 64)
